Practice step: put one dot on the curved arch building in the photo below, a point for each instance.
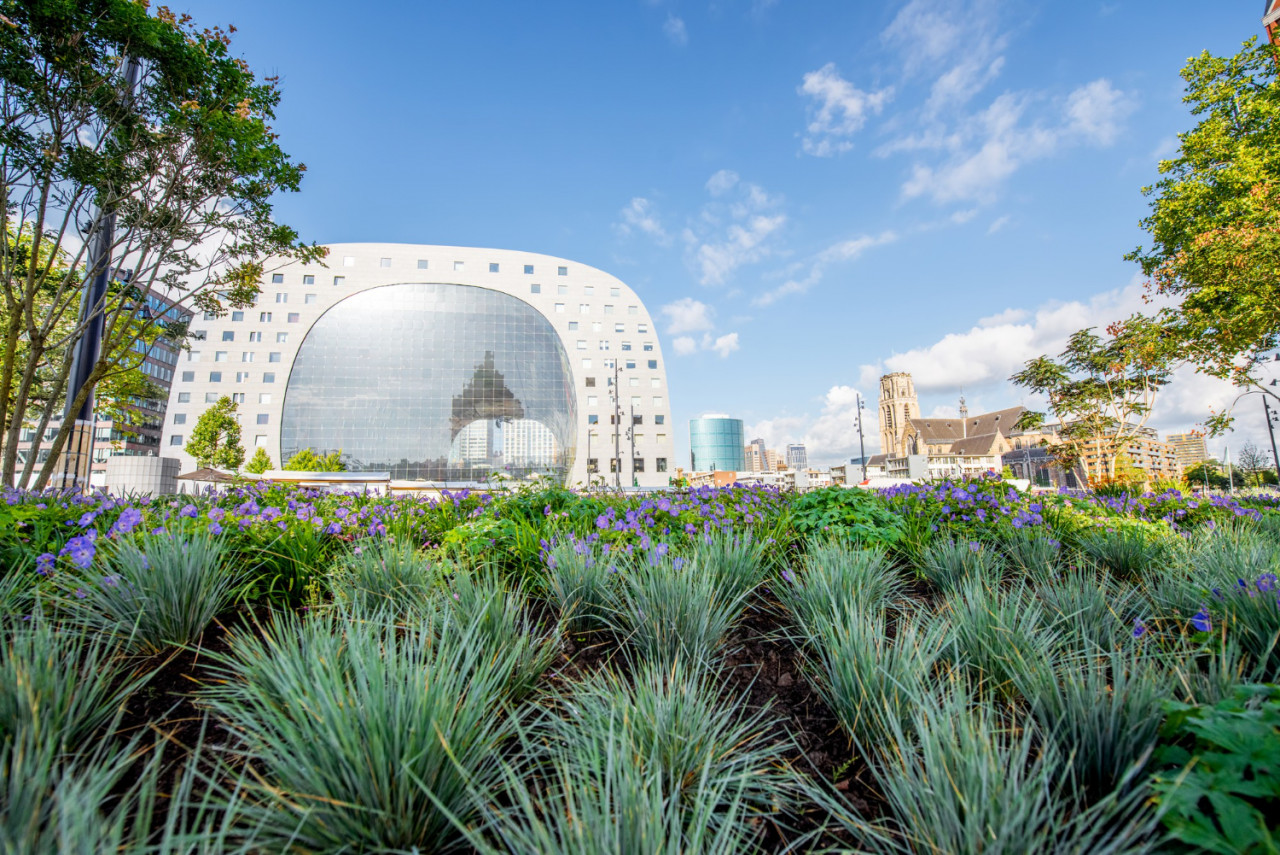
(442, 364)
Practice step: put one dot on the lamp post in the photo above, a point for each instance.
(862, 451)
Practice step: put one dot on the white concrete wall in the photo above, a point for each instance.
(360, 267)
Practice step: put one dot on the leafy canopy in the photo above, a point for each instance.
(260, 462)
(215, 440)
(307, 460)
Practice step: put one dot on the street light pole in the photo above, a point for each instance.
(1271, 429)
(77, 456)
(862, 451)
(631, 435)
(617, 426)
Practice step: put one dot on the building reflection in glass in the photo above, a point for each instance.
(436, 382)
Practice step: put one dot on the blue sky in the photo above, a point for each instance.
(805, 194)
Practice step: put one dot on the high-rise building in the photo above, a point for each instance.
(797, 457)
(756, 456)
(1189, 447)
(439, 364)
(898, 405)
(715, 444)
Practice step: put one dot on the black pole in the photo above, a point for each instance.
(617, 426)
(862, 451)
(631, 434)
(1271, 429)
(77, 456)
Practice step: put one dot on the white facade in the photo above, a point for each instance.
(249, 353)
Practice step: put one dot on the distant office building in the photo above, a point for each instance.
(756, 456)
(715, 444)
(1190, 447)
(797, 457)
(773, 461)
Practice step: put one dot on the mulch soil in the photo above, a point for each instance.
(763, 670)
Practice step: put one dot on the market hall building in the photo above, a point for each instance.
(439, 364)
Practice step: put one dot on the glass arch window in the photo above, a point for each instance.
(434, 381)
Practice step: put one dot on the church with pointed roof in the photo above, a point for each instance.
(904, 432)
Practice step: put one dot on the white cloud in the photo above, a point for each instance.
(725, 345)
(639, 215)
(846, 250)
(839, 110)
(990, 146)
(998, 224)
(722, 182)
(688, 315)
(684, 345)
(743, 244)
(674, 29)
(831, 435)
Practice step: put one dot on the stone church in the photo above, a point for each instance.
(905, 432)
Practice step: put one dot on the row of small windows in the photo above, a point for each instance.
(660, 419)
(423, 264)
(212, 397)
(637, 464)
(259, 441)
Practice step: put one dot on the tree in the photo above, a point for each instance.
(1215, 222)
(307, 460)
(260, 462)
(1101, 391)
(112, 114)
(215, 440)
(1254, 461)
(1215, 474)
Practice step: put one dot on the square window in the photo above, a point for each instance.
(635, 400)
(220, 356)
(591, 382)
(260, 440)
(179, 418)
(657, 400)
(648, 347)
(535, 289)
(584, 308)
(660, 464)
(282, 297)
(660, 420)
(263, 418)
(615, 292)
(618, 328)
(604, 344)
(215, 376)
(633, 310)
(199, 335)
(637, 464)
(384, 262)
(277, 278)
(562, 271)
(348, 261)
(184, 397)
(237, 316)
(274, 356)
(176, 439)
(582, 344)
(562, 289)
(458, 265)
(193, 356)
(228, 335)
(282, 338)
(655, 382)
(269, 377)
(589, 290)
(210, 316)
(254, 337)
(626, 345)
(310, 299)
(247, 356)
(608, 310)
(308, 279)
(653, 364)
(595, 326)
(560, 308)
(264, 317)
(637, 420)
(592, 401)
(211, 397)
(339, 281)
(188, 376)
(422, 264)
(242, 376)
(642, 329)
(493, 267)
(294, 317)
(528, 269)
(593, 419)
(237, 397)
(264, 398)
(573, 326)
(630, 364)
(586, 363)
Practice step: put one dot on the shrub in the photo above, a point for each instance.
(579, 581)
(835, 575)
(852, 514)
(384, 576)
(158, 592)
(1032, 551)
(948, 564)
(1129, 553)
(1220, 790)
(659, 764)
(366, 737)
(737, 562)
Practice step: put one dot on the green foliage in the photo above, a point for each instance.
(1128, 553)
(578, 579)
(215, 440)
(366, 735)
(1220, 787)
(995, 635)
(1214, 217)
(307, 460)
(385, 577)
(658, 764)
(948, 564)
(260, 462)
(160, 591)
(501, 620)
(853, 514)
(834, 576)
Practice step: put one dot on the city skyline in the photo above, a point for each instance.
(813, 192)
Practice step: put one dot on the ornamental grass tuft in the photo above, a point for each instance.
(835, 575)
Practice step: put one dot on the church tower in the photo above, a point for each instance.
(898, 403)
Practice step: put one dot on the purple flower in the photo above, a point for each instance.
(788, 576)
(216, 514)
(974, 547)
(80, 550)
(87, 519)
(1139, 629)
(215, 528)
(188, 511)
(81, 593)
(45, 562)
(1201, 621)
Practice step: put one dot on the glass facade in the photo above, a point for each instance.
(715, 444)
(434, 381)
